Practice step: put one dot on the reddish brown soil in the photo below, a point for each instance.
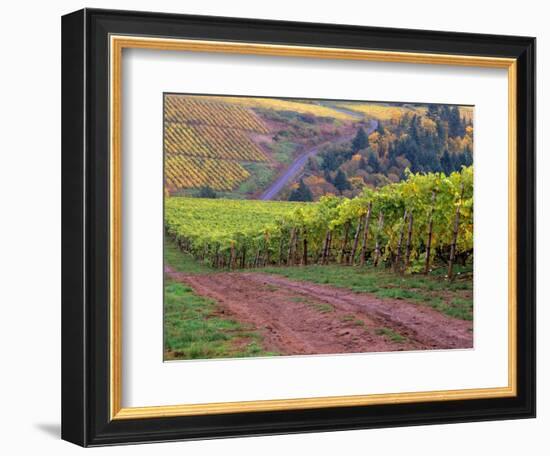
(304, 318)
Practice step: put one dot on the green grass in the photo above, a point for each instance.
(321, 307)
(270, 287)
(391, 334)
(299, 299)
(192, 327)
(261, 175)
(284, 151)
(396, 293)
(182, 262)
(352, 319)
(451, 298)
(461, 308)
(194, 330)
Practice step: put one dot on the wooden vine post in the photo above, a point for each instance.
(304, 258)
(243, 257)
(366, 235)
(329, 246)
(356, 240)
(281, 248)
(377, 248)
(290, 256)
(430, 234)
(409, 241)
(455, 234)
(295, 248)
(216, 257)
(343, 258)
(323, 255)
(232, 258)
(266, 249)
(396, 265)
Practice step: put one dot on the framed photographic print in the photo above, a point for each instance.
(278, 227)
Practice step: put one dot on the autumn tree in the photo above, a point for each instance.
(302, 193)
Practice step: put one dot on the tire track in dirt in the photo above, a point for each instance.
(305, 318)
(420, 323)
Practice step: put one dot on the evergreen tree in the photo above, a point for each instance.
(456, 127)
(392, 153)
(441, 134)
(468, 157)
(380, 128)
(302, 193)
(373, 162)
(412, 152)
(361, 140)
(413, 129)
(341, 181)
(430, 161)
(433, 111)
(334, 156)
(445, 112)
(457, 160)
(206, 192)
(393, 162)
(330, 160)
(447, 164)
(312, 164)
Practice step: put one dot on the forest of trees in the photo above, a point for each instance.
(438, 139)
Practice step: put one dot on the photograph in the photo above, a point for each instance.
(316, 226)
(272, 226)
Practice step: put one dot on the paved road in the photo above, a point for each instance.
(299, 163)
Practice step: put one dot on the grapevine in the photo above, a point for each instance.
(410, 225)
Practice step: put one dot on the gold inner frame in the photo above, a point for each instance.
(117, 44)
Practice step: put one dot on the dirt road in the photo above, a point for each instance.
(300, 162)
(304, 318)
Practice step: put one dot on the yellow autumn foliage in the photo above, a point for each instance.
(276, 104)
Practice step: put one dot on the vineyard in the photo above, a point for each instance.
(187, 109)
(296, 105)
(408, 226)
(182, 171)
(380, 111)
(206, 142)
(387, 112)
(211, 142)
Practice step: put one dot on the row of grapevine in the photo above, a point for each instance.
(407, 225)
(210, 142)
(296, 105)
(381, 112)
(193, 172)
(188, 109)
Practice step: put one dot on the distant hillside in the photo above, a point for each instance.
(240, 147)
(428, 138)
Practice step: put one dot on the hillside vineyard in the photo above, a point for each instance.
(403, 225)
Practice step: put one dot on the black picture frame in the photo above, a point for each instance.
(85, 225)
